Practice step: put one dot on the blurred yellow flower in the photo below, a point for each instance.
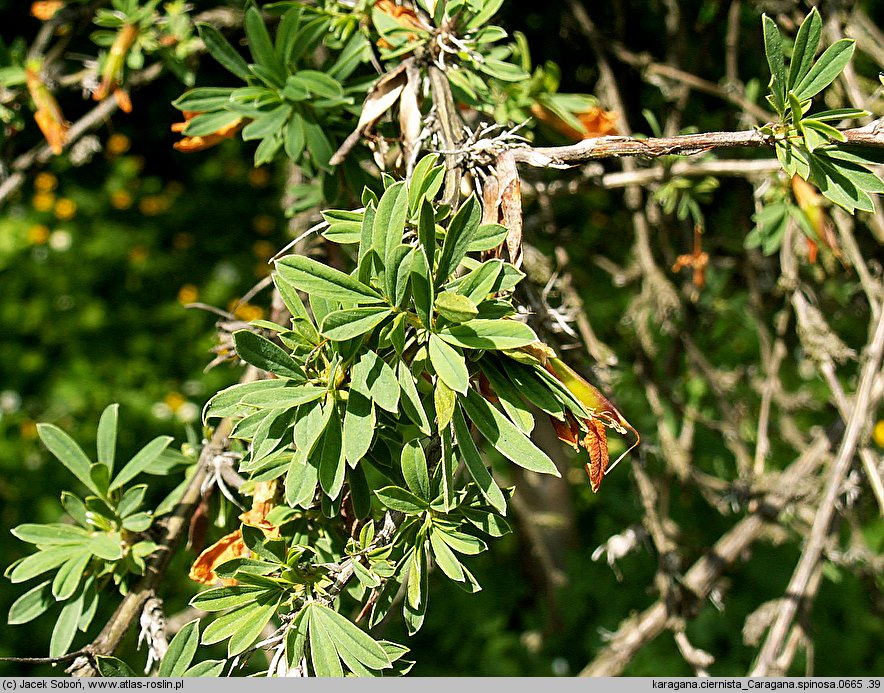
(44, 10)
(878, 433)
(249, 312)
(118, 144)
(65, 208)
(263, 249)
(138, 254)
(263, 224)
(43, 201)
(120, 199)
(188, 294)
(259, 177)
(174, 400)
(182, 240)
(153, 204)
(38, 234)
(45, 182)
(28, 430)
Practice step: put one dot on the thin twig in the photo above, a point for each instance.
(636, 632)
(797, 589)
(614, 146)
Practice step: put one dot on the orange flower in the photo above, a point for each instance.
(811, 203)
(404, 16)
(46, 10)
(596, 122)
(114, 65)
(231, 545)
(48, 114)
(603, 414)
(197, 144)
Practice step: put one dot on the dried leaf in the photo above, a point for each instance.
(225, 549)
(596, 444)
(410, 114)
(568, 431)
(231, 545)
(382, 97)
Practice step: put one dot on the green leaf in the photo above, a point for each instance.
(31, 604)
(284, 397)
(350, 642)
(773, 48)
(424, 178)
(398, 272)
(266, 355)
(203, 99)
(804, 50)
(319, 84)
(142, 459)
(509, 396)
(826, 69)
(455, 307)
(66, 627)
(211, 668)
(67, 452)
(422, 288)
(108, 545)
(504, 436)
(181, 650)
(220, 49)
(68, 577)
(300, 481)
(374, 378)
(462, 543)
(227, 401)
(389, 221)
(332, 463)
(461, 232)
(208, 123)
(449, 364)
(220, 598)
(296, 637)
(444, 400)
(411, 402)
(487, 236)
(502, 70)
(107, 436)
(426, 231)
(261, 47)
(326, 282)
(318, 145)
(269, 123)
(489, 9)
(253, 622)
(475, 465)
(111, 667)
(396, 498)
(323, 654)
(489, 334)
(342, 325)
(414, 469)
(295, 138)
(479, 282)
(445, 558)
(50, 534)
(38, 563)
(359, 424)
